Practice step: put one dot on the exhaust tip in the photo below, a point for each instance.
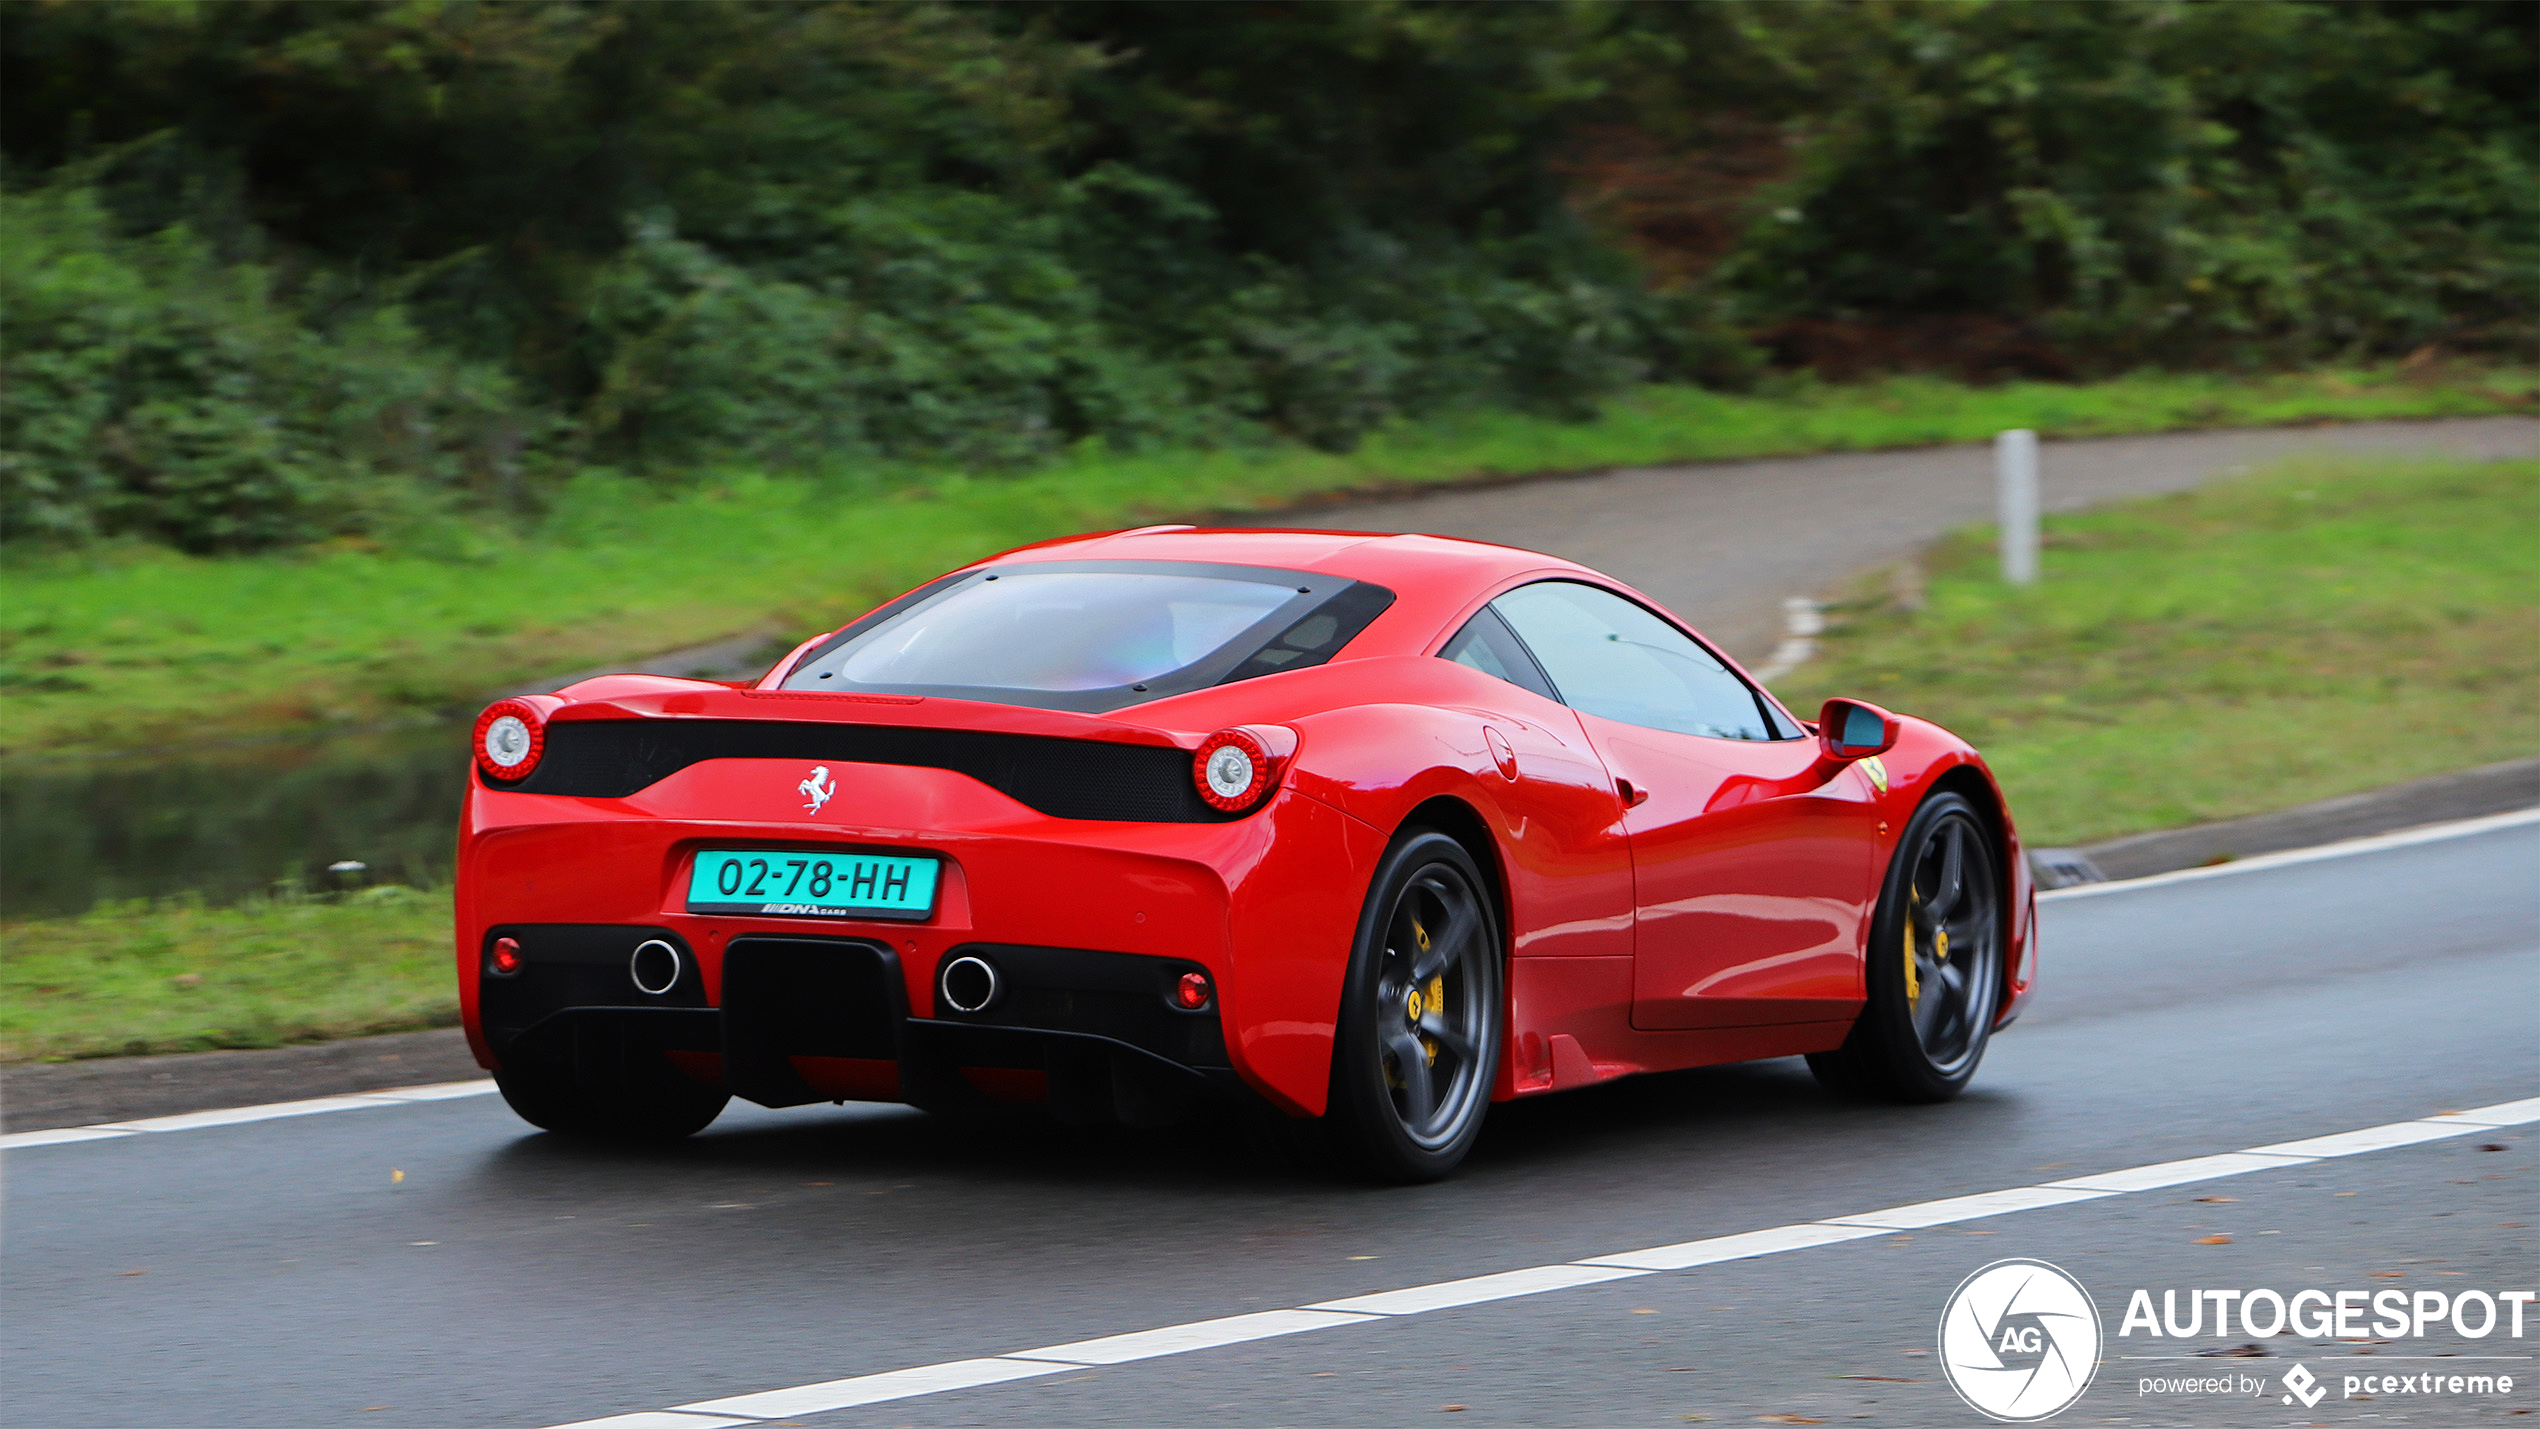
(969, 984)
(655, 967)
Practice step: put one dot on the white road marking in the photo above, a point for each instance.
(2371, 1138)
(232, 1116)
(1744, 1246)
(874, 1388)
(2404, 838)
(2503, 1114)
(1506, 1285)
(1541, 1279)
(1966, 1208)
(1803, 620)
(658, 1419)
(1197, 1335)
(237, 1115)
(2180, 1173)
(62, 1136)
(437, 1091)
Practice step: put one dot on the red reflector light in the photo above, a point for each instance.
(1237, 768)
(506, 958)
(510, 736)
(1192, 992)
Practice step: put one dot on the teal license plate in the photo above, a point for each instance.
(811, 885)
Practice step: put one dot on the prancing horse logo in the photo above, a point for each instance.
(817, 788)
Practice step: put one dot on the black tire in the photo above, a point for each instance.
(661, 1105)
(1935, 963)
(1409, 1090)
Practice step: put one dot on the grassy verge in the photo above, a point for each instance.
(127, 647)
(132, 978)
(2312, 630)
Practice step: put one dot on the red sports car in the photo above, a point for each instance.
(1371, 831)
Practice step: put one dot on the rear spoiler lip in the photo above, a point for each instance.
(657, 697)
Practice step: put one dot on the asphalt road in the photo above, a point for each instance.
(287, 1273)
(1724, 543)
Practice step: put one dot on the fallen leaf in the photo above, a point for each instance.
(187, 980)
(126, 1274)
(2390, 1275)
(1644, 1312)
(1324, 1374)
(395, 1176)
(2492, 1146)
(1450, 1409)
(2213, 1240)
(2219, 1200)
(1786, 1419)
(1362, 1257)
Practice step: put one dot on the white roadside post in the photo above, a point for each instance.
(2015, 469)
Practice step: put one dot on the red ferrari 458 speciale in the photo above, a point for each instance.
(1367, 831)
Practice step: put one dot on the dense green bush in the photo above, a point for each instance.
(278, 269)
(2163, 182)
(150, 388)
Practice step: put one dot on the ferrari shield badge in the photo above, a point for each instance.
(1876, 772)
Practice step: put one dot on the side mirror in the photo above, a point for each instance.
(1849, 729)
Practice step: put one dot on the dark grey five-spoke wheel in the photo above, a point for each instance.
(1951, 953)
(1935, 962)
(1418, 1040)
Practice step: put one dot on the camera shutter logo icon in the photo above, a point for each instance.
(2020, 1340)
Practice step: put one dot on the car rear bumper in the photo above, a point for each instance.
(1091, 922)
(804, 1018)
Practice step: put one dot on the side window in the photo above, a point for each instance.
(1486, 644)
(1613, 659)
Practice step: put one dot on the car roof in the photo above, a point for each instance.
(1386, 559)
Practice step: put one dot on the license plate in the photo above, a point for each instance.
(811, 885)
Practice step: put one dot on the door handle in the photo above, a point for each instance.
(1633, 795)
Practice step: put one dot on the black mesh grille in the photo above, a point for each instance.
(1064, 778)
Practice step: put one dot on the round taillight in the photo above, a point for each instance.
(505, 959)
(509, 738)
(1192, 992)
(1233, 769)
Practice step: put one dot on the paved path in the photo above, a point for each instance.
(437, 1263)
(1724, 543)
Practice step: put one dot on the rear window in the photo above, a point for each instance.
(1093, 635)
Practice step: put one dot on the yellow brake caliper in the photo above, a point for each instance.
(1428, 1000)
(1939, 952)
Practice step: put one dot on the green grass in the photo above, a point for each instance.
(130, 647)
(2315, 629)
(180, 977)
